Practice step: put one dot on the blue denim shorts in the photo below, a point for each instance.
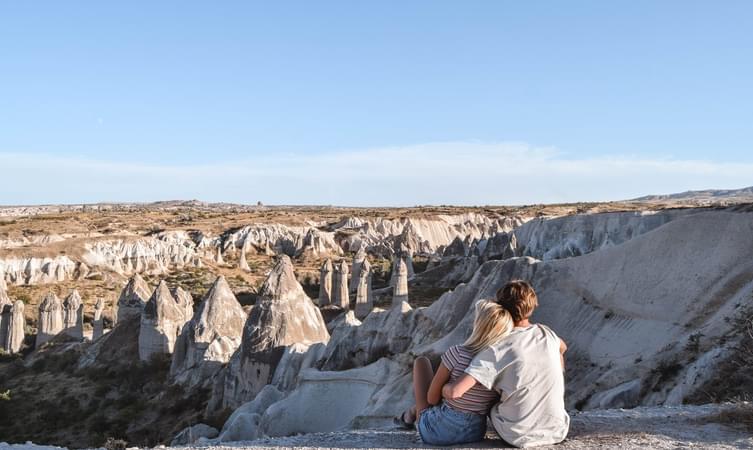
(442, 425)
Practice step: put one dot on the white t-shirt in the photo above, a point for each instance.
(525, 367)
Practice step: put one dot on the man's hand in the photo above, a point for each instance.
(563, 349)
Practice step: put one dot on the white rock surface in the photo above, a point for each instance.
(243, 424)
(33, 271)
(98, 322)
(400, 287)
(340, 293)
(325, 283)
(132, 298)
(161, 321)
(625, 310)
(73, 316)
(16, 328)
(51, 318)
(355, 274)
(364, 294)
(284, 315)
(193, 434)
(208, 341)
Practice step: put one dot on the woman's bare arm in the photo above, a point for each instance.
(459, 387)
(434, 396)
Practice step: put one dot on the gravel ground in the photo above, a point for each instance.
(640, 428)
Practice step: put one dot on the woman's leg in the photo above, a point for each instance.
(422, 376)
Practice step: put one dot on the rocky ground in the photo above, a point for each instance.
(707, 427)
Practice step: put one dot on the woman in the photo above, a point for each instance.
(461, 417)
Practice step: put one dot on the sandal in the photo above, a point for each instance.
(402, 423)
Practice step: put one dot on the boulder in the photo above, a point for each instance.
(161, 321)
(325, 283)
(73, 316)
(50, 318)
(191, 435)
(209, 340)
(132, 298)
(243, 423)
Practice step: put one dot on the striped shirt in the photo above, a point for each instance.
(476, 400)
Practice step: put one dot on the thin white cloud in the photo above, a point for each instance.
(465, 173)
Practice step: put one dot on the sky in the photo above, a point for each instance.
(373, 103)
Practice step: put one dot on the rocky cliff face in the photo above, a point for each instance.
(661, 298)
(38, 270)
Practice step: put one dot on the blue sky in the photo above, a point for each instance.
(373, 103)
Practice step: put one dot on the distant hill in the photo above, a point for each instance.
(707, 195)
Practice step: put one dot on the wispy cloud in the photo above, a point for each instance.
(465, 173)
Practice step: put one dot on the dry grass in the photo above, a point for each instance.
(738, 415)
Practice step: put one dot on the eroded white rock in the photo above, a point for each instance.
(51, 318)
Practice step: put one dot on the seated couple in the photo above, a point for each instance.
(509, 369)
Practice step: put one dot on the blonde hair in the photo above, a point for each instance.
(491, 323)
(519, 298)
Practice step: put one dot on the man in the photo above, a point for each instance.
(526, 367)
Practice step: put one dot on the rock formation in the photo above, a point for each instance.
(185, 301)
(5, 311)
(400, 289)
(340, 295)
(154, 254)
(218, 258)
(364, 296)
(33, 271)
(325, 283)
(161, 322)
(98, 323)
(50, 319)
(16, 327)
(624, 326)
(284, 315)
(456, 248)
(192, 434)
(73, 316)
(132, 298)
(356, 269)
(402, 256)
(316, 243)
(210, 338)
(242, 262)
